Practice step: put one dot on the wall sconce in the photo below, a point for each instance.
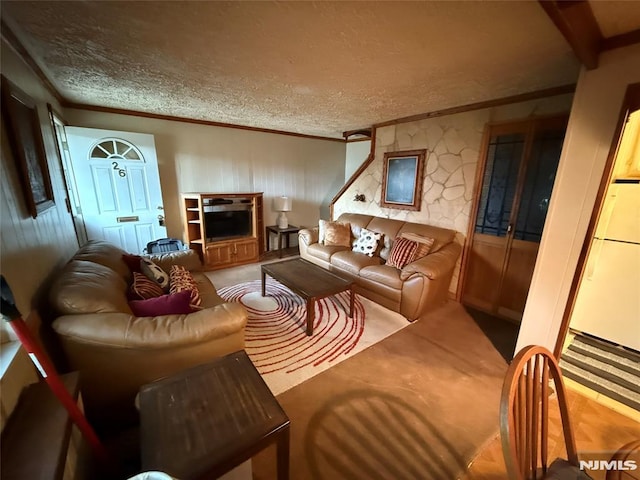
(359, 197)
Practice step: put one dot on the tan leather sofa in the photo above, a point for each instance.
(117, 352)
(420, 286)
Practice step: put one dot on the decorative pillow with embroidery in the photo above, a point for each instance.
(338, 234)
(367, 242)
(424, 244)
(143, 287)
(154, 272)
(182, 279)
(402, 252)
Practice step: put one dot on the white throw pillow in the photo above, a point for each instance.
(367, 242)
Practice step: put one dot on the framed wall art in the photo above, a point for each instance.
(402, 179)
(23, 128)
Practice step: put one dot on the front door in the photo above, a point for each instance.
(520, 162)
(118, 186)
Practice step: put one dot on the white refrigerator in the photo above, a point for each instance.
(608, 301)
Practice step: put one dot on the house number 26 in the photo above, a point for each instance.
(121, 171)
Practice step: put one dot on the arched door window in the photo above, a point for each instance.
(115, 149)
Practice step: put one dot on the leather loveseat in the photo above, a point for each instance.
(117, 352)
(416, 288)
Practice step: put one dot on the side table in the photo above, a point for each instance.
(280, 232)
(204, 421)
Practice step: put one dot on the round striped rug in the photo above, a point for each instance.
(276, 339)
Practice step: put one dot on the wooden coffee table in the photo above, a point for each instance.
(206, 420)
(309, 281)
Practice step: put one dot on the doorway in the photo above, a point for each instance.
(515, 181)
(116, 186)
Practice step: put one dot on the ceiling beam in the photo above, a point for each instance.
(622, 40)
(576, 22)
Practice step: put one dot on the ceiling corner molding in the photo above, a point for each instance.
(23, 53)
(576, 22)
(622, 40)
(210, 123)
(497, 102)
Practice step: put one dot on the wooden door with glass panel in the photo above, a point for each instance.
(518, 170)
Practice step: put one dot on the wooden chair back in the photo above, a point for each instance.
(524, 413)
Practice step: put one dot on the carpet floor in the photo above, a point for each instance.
(419, 404)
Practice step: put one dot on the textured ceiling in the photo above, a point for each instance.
(317, 68)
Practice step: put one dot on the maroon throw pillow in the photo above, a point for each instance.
(132, 261)
(170, 304)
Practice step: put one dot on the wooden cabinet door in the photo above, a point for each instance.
(219, 254)
(246, 251)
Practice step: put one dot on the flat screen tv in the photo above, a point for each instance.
(230, 223)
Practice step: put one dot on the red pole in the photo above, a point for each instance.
(41, 361)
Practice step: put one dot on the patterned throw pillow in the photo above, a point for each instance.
(367, 242)
(143, 287)
(154, 272)
(424, 244)
(402, 252)
(182, 279)
(338, 234)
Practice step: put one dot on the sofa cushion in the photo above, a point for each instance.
(367, 242)
(208, 295)
(324, 252)
(323, 225)
(337, 234)
(402, 252)
(106, 254)
(383, 274)
(143, 287)
(189, 259)
(352, 262)
(88, 287)
(169, 304)
(441, 236)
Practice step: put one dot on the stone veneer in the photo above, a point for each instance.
(452, 146)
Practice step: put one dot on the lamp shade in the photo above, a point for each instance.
(282, 204)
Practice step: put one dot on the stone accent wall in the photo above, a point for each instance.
(453, 145)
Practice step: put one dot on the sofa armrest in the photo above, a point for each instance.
(187, 258)
(309, 235)
(434, 265)
(121, 330)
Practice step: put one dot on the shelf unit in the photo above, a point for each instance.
(217, 253)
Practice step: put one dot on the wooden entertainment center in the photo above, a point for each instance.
(226, 229)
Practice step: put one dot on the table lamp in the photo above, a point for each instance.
(282, 204)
